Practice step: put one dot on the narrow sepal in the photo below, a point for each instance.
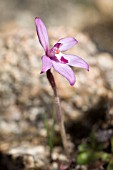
(46, 64)
(42, 33)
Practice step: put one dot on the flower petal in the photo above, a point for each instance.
(46, 63)
(42, 33)
(67, 43)
(76, 61)
(65, 71)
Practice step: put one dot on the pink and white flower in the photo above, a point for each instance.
(54, 57)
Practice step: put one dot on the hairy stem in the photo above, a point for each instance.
(61, 123)
(58, 111)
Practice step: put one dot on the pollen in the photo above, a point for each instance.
(57, 51)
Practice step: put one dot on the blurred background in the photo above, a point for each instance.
(93, 16)
(25, 95)
(76, 13)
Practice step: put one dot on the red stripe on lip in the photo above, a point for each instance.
(63, 60)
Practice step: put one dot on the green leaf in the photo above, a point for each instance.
(85, 157)
(112, 144)
(110, 165)
(83, 147)
(103, 155)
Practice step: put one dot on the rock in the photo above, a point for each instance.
(105, 7)
(26, 96)
(32, 156)
(22, 87)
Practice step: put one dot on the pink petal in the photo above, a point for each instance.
(65, 71)
(42, 33)
(67, 43)
(76, 61)
(46, 63)
(57, 45)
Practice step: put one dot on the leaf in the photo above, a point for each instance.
(110, 165)
(85, 157)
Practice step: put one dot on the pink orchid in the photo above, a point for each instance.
(55, 58)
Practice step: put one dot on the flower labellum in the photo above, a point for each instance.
(55, 58)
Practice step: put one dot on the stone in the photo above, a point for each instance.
(105, 7)
(21, 85)
(26, 96)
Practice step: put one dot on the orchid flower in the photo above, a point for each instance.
(54, 57)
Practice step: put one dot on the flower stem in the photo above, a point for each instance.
(58, 112)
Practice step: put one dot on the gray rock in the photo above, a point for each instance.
(23, 88)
